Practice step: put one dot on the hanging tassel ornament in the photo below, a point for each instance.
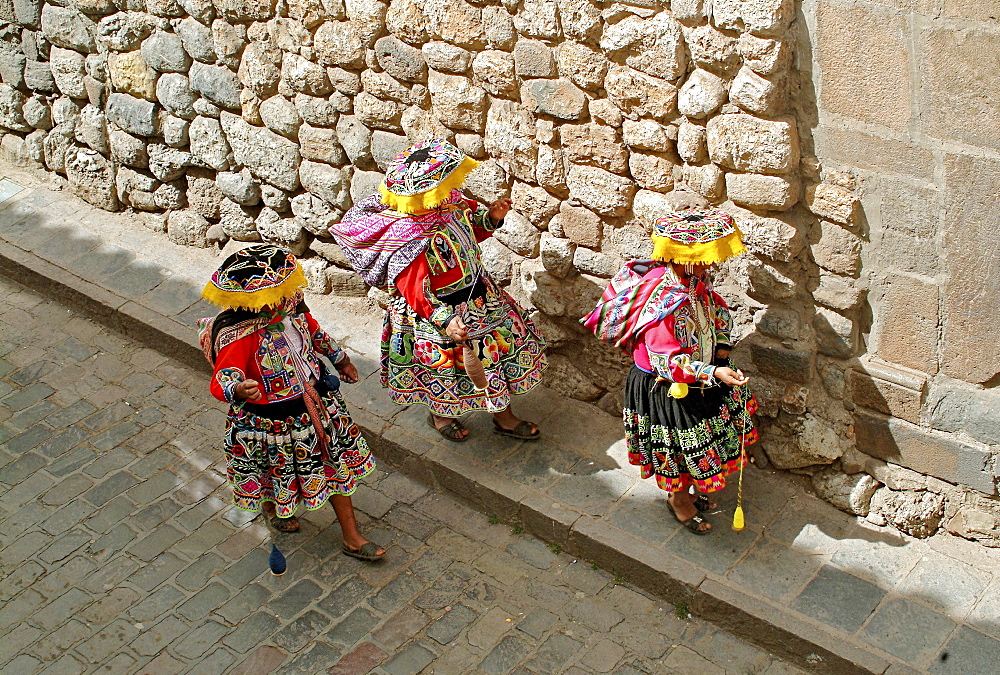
(738, 522)
(276, 561)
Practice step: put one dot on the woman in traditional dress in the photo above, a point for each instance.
(686, 409)
(419, 239)
(290, 440)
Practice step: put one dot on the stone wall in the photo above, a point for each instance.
(237, 120)
(902, 112)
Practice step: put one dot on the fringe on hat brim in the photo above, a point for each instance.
(264, 297)
(431, 199)
(666, 249)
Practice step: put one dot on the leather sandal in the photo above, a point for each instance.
(526, 431)
(703, 504)
(452, 431)
(368, 552)
(692, 524)
(285, 524)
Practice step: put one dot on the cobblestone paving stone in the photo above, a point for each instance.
(119, 551)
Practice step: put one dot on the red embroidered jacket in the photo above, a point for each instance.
(251, 350)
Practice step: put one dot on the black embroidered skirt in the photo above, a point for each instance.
(696, 440)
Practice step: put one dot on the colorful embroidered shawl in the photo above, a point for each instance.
(631, 304)
(380, 243)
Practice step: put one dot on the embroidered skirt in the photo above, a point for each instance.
(693, 440)
(422, 365)
(281, 461)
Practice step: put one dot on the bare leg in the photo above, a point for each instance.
(344, 509)
(509, 421)
(683, 504)
(442, 422)
(284, 524)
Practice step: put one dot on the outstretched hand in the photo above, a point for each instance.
(734, 378)
(500, 208)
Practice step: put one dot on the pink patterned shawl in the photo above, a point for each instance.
(631, 304)
(380, 243)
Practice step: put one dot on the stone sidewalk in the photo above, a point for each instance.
(804, 579)
(119, 552)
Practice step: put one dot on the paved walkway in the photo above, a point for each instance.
(831, 591)
(120, 554)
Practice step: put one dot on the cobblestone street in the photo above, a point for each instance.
(121, 554)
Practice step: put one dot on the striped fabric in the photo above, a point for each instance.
(629, 305)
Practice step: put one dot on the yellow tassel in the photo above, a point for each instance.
(738, 524)
(255, 300)
(678, 390)
(431, 199)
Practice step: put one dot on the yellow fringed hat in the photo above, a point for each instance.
(254, 277)
(422, 177)
(696, 238)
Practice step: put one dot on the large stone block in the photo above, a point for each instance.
(447, 58)
(92, 178)
(519, 235)
(833, 203)
(533, 58)
(457, 103)
(837, 292)
(197, 40)
(494, 72)
(764, 56)
(956, 406)
(174, 93)
(767, 17)
(559, 98)
(12, 68)
(320, 144)
(600, 190)
(713, 50)
(888, 390)
(405, 19)
(164, 52)
(208, 143)
(836, 335)
(68, 28)
(971, 311)
(758, 191)
(708, 180)
(580, 19)
(641, 94)
(535, 203)
(337, 44)
(376, 113)
(368, 18)
(218, 84)
(68, 70)
(455, 21)
(387, 146)
(746, 143)
(510, 136)
(872, 153)
(865, 73)
(326, 182)
(130, 74)
(244, 11)
(583, 65)
(596, 145)
(304, 76)
(188, 228)
(907, 322)
(400, 59)
(654, 45)
(777, 238)
(701, 95)
(268, 155)
(941, 456)
(958, 100)
(757, 94)
(132, 114)
(838, 249)
(652, 172)
(852, 494)
(788, 364)
(538, 19)
(11, 108)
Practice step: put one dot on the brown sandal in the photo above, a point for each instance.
(287, 525)
(452, 431)
(526, 431)
(703, 503)
(692, 524)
